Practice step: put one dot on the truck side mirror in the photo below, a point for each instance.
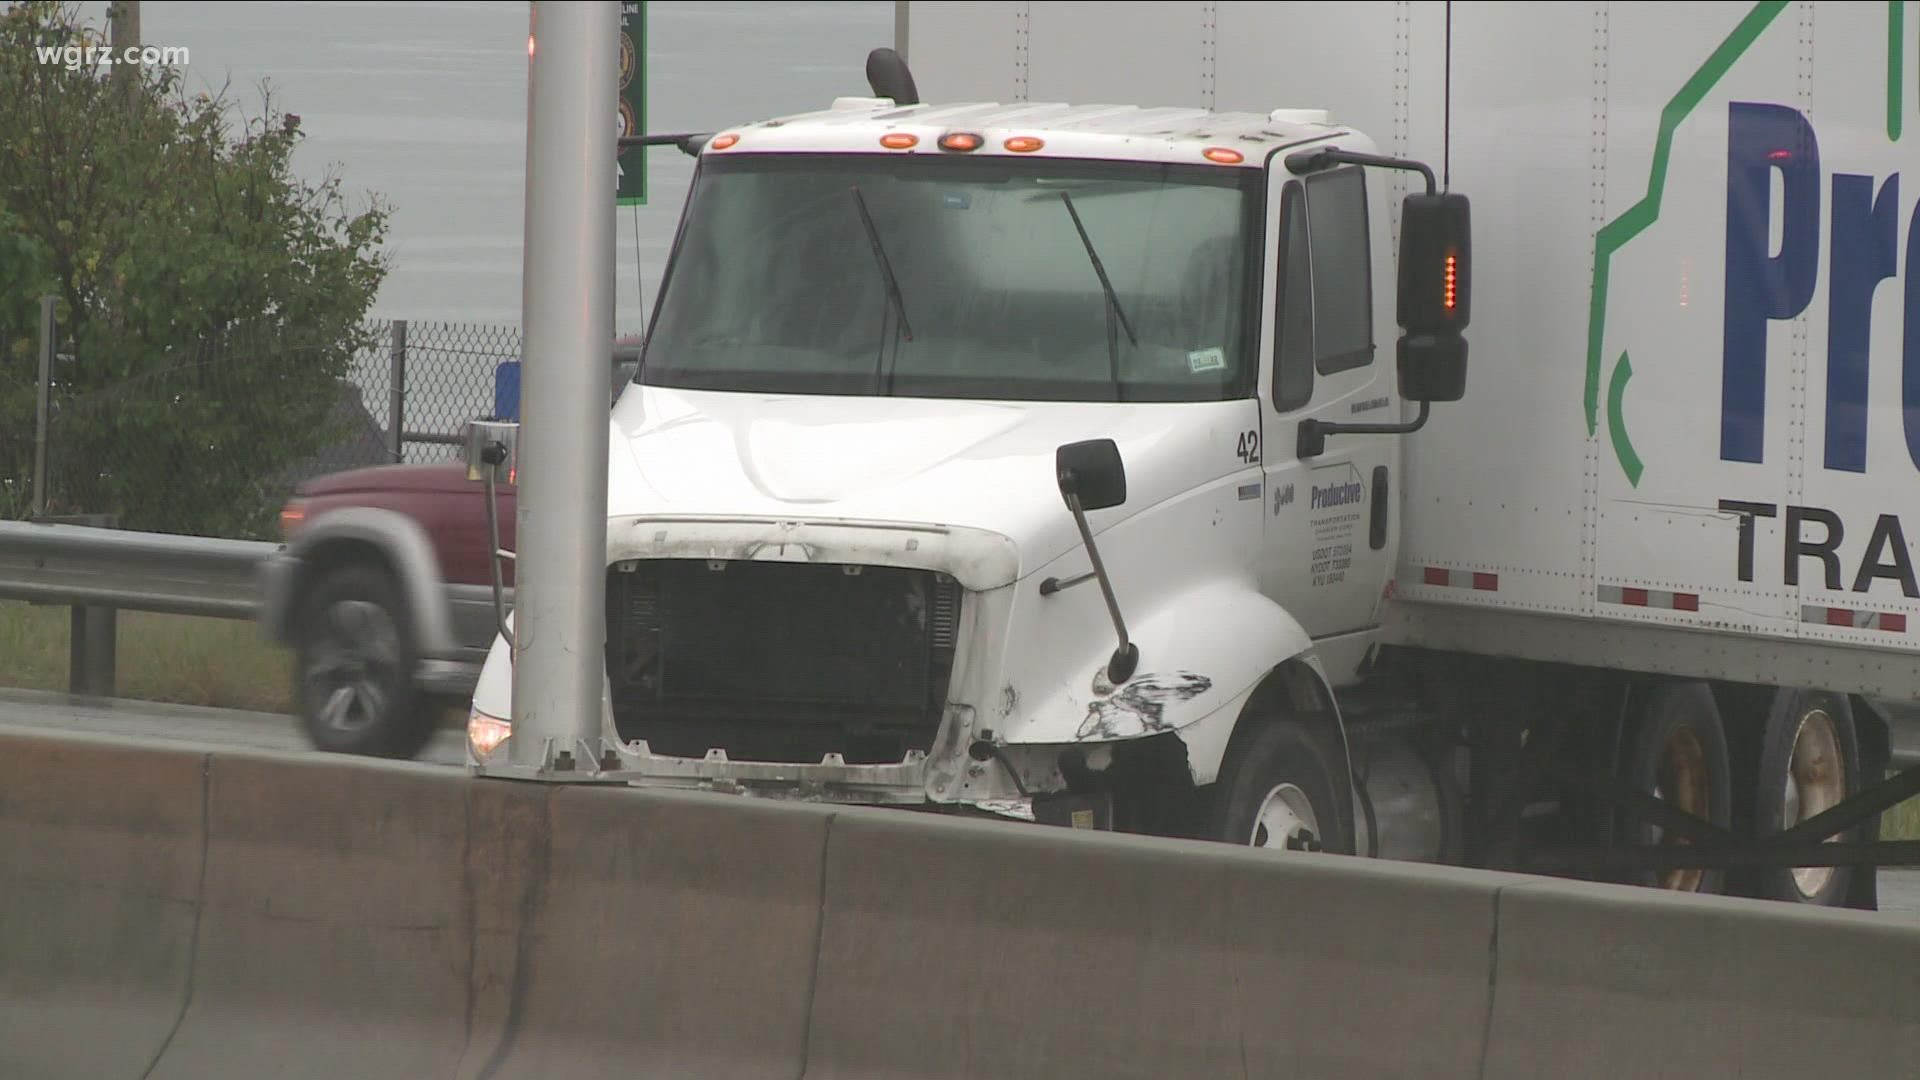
(1433, 367)
(1091, 471)
(1434, 296)
(493, 450)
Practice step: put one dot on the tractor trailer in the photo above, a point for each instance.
(1477, 433)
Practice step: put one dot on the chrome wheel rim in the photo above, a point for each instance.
(1286, 821)
(1815, 783)
(1682, 779)
(353, 655)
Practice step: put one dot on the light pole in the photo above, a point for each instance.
(559, 628)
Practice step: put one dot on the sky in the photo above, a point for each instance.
(425, 104)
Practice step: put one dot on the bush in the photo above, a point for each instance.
(210, 300)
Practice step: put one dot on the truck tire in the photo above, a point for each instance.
(1677, 752)
(1278, 791)
(355, 660)
(1809, 761)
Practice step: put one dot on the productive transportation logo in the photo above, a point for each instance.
(1337, 494)
(1787, 204)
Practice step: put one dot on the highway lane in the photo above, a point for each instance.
(181, 723)
(24, 709)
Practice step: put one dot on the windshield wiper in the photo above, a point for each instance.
(1113, 299)
(886, 267)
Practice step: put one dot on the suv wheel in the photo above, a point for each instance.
(356, 659)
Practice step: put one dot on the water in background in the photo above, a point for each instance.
(425, 103)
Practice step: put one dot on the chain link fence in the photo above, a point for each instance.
(435, 377)
(213, 441)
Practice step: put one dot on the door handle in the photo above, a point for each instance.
(1377, 527)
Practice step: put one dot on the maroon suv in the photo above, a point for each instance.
(383, 592)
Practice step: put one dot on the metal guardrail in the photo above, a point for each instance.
(100, 571)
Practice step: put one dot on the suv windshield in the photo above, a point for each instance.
(960, 277)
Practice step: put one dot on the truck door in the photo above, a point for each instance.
(1328, 544)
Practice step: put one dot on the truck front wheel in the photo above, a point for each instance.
(1278, 791)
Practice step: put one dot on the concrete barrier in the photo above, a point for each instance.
(100, 863)
(181, 912)
(350, 925)
(175, 912)
(1609, 981)
(983, 949)
(675, 936)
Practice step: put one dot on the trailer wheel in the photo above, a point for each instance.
(1677, 752)
(1809, 762)
(355, 657)
(1277, 791)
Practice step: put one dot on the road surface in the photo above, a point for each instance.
(181, 723)
(23, 709)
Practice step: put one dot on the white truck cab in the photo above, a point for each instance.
(1115, 466)
(964, 465)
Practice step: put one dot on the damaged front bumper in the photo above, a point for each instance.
(494, 749)
(948, 776)
(831, 780)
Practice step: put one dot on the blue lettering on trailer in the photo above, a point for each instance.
(1766, 140)
(1763, 139)
(1761, 288)
(1866, 229)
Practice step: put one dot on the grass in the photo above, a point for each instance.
(1902, 822)
(182, 659)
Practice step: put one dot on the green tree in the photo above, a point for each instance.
(210, 299)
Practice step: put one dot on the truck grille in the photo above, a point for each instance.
(780, 662)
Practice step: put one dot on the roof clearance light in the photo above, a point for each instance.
(1223, 154)
(962, 141)
(1023, 144)
(723, 141)
(1453, 267)
(899, 140)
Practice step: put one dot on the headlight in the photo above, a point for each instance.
(486, 733)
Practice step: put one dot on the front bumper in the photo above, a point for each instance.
(945, 776)
(830, 781)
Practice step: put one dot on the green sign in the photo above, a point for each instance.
(632, 189)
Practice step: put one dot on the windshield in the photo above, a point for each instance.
(960, 277)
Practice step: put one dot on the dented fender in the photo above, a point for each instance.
(1202, 652)
(406, 549)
